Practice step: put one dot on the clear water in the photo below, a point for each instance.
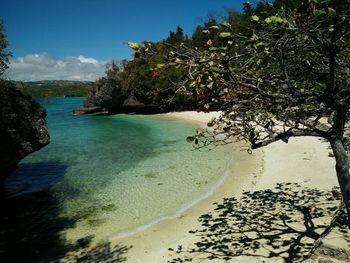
(110, 175)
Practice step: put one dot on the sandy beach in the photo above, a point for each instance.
(271, 207)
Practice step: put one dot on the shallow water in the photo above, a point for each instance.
(111, 175)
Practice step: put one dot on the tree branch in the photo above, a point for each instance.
(284, 136)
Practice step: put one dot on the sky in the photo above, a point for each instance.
(74, 39)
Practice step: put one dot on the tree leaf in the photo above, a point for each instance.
(276, 19)
(255, 18)
(133, 45)
(225, 24)
(331, 11)
(225, 34)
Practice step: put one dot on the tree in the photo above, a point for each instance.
(176, 37)
(4, 56)
(286, 75)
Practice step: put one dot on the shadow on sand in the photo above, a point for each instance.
(279, 224)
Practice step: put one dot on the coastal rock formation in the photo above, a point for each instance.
(112, 98)
(133, 105)
(109, 96)
(23, 127)
(87, 110)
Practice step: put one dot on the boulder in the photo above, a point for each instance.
(23, 128)
(132, 105)
(87, 110)
(109, 96)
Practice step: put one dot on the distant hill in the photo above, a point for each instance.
(56, 83)
(55, 88)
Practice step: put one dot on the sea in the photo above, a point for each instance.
(103, 176)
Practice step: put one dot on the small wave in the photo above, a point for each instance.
(182, 209)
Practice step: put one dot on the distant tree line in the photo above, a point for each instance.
(56, 89)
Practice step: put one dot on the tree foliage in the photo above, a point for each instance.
(277, 71)
(140, 77)
(4, 55)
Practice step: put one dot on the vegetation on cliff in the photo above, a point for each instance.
(140, 81)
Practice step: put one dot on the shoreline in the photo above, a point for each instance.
(304, 161)
(152, 243)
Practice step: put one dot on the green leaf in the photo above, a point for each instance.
(276, 19)
(206, 31)
(254, 37)
(225, 34)
(133, 45)
(214, 27)
(319, 12)
(255, 18)
(225, 24)
(331, 11)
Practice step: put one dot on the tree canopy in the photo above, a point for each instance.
(4, 55)
(277, 71)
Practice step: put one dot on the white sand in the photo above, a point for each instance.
(200, 117)
(303, 160)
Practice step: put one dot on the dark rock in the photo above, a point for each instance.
(131, 104)
(87, 110)
(109, 96)
(23, 127)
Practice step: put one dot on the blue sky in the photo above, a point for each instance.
(94, 30)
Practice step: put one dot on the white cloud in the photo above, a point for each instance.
(34, 67)
(87, 60)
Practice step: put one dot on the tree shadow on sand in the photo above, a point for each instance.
(279, 224)
(104, 252)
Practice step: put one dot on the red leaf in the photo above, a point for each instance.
(154, 73)
(228, 96)
(201, 96)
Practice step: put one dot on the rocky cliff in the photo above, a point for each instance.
(23, 127)
(109, 96)
(112, 98)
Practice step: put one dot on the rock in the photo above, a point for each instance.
(109, 95)
(131, 104)
(87, 110)
(23, 128)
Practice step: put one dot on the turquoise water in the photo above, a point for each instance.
(113, 175)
